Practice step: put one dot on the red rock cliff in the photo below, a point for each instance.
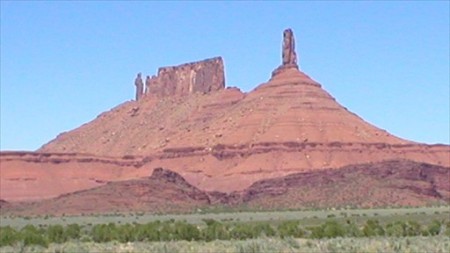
(202, 76)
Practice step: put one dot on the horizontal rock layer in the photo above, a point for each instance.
(28, 176)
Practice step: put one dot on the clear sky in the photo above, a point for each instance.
(63, 63)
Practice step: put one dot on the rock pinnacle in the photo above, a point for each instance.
(288, 55)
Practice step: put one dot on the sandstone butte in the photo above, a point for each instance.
(218, 138)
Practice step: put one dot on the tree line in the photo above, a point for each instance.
(213, 230)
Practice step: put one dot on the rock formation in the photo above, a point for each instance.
(288, 52)
(226, 140)
(147, 84)
(202, 76)
(288, 55)
(139, 86)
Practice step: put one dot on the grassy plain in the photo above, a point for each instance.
(307, 217)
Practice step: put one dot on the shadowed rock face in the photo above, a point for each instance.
(202, 76)
(388, 183)
(169, 177)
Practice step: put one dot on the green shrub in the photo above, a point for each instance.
(332, 229)
(8, 236)
(434, 228)
(125, 233)
(329, 229)
(352, 230)
(215, 231)
(73, 231)
(148, 232)
(264, 228)
(316, 232)
(186, 231)
(167, 231)
(401, 228)
(104, 232)
(33, 236)
(412, 229)
(210, 222)
(373, 228)
(447, 229)
(55, 233)
(395, 229)
(243, 232)
(290, 229)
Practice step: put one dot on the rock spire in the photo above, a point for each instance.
(288, 54)
(139, 86)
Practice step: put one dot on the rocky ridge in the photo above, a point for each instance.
(381, 184)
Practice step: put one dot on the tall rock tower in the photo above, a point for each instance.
(288, 54)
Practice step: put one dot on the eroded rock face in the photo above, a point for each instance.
(202, 76)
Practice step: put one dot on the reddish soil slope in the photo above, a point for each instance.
(30, 175)
(390, 183)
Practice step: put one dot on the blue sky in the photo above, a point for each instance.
(63, 63)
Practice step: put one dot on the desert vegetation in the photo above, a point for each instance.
(436, 244)
(233, 236)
